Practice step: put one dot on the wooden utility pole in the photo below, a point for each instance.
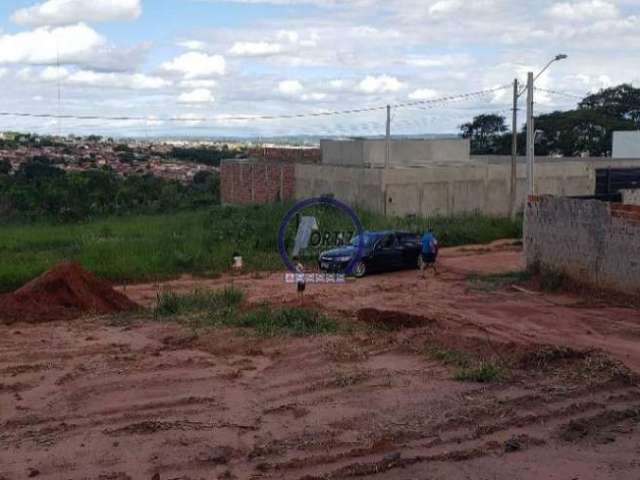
(514, 152)
(387, 153)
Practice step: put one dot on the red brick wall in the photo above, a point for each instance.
(243, 183)
(281, 154)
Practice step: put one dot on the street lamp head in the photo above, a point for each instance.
(561, 56)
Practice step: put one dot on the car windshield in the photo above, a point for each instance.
(369, 240)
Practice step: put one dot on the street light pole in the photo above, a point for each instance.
(531, 134)
(514, 152)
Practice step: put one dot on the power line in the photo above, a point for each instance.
(416, 103)
(560, 93)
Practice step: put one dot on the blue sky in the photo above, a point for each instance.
(216, 65)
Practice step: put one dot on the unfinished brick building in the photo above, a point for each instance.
(267, 177)
(245, 182)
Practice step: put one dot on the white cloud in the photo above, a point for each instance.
(53, 74)
(45, 45)
(444, 7)
(135, 81)
(439, 61)
(193, 84)
(255, 49)
(67, 12)
(200, 95)
(290, 87)
(315, 96)
(196, 65)
(193, 45)
(583, 10)
(290, 36)
(190, 119)
(381, 84)
(423, 94)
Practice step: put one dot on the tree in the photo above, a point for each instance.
(5, 167)
(587, 129)
(577, 131)
(620, 103)
(486, 133)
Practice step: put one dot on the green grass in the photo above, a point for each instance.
(156, 247)
(213, 302)
(494, 281)
(485, 372)
(467, 368)
(299, 322)
(448, 357)
(210, 308)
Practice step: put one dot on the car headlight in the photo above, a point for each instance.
(343, 259)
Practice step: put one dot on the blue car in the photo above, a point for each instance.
(383, 252)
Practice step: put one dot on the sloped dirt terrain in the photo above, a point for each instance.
(116, 398)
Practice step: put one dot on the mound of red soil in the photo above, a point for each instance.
(65, 292)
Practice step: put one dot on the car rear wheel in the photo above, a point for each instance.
(360, 269)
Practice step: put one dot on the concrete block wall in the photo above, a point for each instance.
(248, 182)
(631, 196)
(358, 187)
(404, 152)
(286, 154)
(593, 242)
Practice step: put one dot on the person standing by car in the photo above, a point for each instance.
(300, 280)
(429, 253)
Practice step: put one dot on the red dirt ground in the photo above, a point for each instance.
(507, 315)
(66, 291)
(117, 398)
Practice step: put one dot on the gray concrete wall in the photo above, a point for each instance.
(453, 188)
(447, 190)
(593, 242)
(404, 152)
(631, 196)
(358, 187)
(626, 144)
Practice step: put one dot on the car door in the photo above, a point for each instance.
(410, 247)
(387, 255)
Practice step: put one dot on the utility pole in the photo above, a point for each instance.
(514, 152)
(387, 154)
(531, 136)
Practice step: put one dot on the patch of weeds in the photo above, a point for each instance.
(494, 281)
(212, 302)
(485, 372)
(551, 281)
(349, 379)
(122, 319)
(343, 350)
(270, 322)
(452, 358)
(468, 369)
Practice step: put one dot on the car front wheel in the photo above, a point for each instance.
(360, 269)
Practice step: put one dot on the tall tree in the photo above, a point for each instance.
(621, 102)
(485, 132)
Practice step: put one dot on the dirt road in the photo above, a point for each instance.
(505, 314)
(115, 399)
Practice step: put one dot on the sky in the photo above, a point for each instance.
(213, 68)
